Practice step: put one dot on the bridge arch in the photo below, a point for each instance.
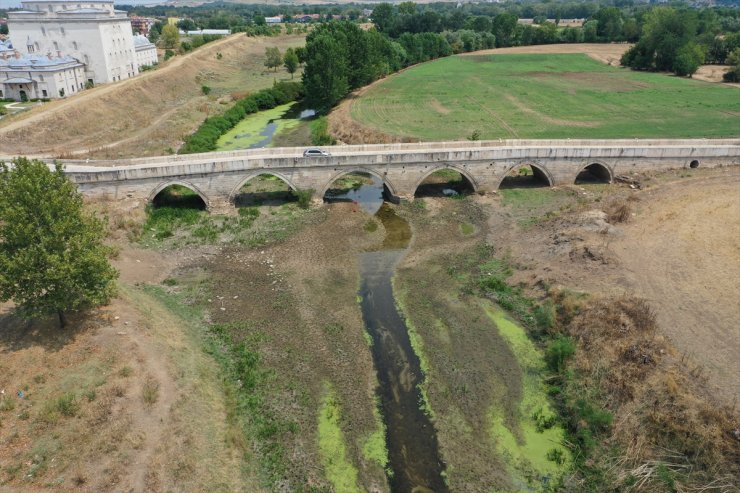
(159, 188)
(472, 181)
(539, 171)
(594, 171)
(341, 173)
(251, 176)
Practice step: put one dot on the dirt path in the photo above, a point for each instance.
(608, 53)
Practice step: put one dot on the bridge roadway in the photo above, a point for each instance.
(218, 176)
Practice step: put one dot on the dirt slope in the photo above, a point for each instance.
(682, 254)
(148, 114)
(148, 412)
(678, 250)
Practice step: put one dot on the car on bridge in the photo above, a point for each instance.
(313, 152)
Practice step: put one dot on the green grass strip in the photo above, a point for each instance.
(339, 470)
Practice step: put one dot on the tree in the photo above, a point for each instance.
(156, 31)
(383, 17)
(688, 59)
(733, 74)
(52, 256)
(3, 29)
(273, 58)
(610, 23)
(170, 36)
(504, 28)
(187, 25)
(665, 32)
(325, 74)
(290, 60)
(300, 52)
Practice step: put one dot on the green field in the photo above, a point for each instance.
(545, 96)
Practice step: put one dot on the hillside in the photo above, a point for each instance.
(149, 114)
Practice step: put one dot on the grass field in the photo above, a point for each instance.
(544, 96)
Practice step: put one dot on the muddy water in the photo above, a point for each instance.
(411, 438)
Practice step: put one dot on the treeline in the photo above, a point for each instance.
(680, 41)
(204, 139)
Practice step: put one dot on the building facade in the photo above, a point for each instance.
(146, 52)
(24, 77)
(92, 32)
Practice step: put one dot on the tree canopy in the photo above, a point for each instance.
(273, 58)
(52, 256)
(170, 36)
(290, 60)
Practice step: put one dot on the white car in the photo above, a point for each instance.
(315, 152)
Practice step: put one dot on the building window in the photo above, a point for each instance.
(56, 46)
(74, 45)
(43, 31)
(44, 93)
(62, 29)
(41, 78)
(36, 45)
(1, 93)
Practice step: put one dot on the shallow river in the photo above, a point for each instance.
(411, 438)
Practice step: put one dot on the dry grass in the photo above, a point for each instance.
(667, 424)
(149, 114)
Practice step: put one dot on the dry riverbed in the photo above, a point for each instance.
(286, 310)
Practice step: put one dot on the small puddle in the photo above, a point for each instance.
(411, 438)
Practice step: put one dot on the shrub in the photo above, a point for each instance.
(320, 132)
(304, 197)
(558, 351)
(206, 90)
(67, 405)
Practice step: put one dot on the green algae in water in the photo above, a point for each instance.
(374, 448)
(339, 470)
(534, 452)
(248, 132)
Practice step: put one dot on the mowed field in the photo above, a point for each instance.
(543, 96)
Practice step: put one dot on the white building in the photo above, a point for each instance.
(146, 52)
(24, 77)
(92, 32)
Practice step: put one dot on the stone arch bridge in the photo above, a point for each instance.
(218, 176)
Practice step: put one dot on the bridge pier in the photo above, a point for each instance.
(220, 205)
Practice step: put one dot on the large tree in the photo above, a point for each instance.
(273, 58)
(52, 256)
(326, 72)
(170, 36)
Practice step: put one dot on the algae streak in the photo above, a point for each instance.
(339, 470)
(535, 450)
(417, 344)
(375, 449)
